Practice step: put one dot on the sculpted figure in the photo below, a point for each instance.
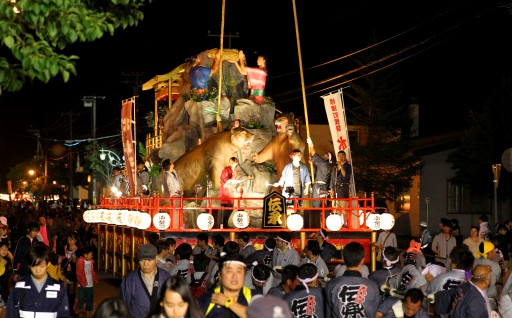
(209, 158)
(279, 148)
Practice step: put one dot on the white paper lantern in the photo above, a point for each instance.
(85, 216)
(162, 221)
(145, 221)
(334, 222)
(241, 219)
(387, 221)
(107, 217)
(205, 221)
(295, 222)
(121, 217)
(374, 222)
(101, 214)
(93, 216)
(132, 218)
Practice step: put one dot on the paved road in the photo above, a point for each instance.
(107, 287)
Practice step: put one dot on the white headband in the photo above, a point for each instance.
(388, 262)
(234, 262)
(255, 279)
(305, 281)
(322, 234)
(287, 243)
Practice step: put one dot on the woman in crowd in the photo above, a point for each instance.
(176, 301)
(473, 241)
(71, 252)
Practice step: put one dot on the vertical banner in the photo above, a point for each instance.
(335, 109)
(129, 148)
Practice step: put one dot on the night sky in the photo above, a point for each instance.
(453, 53)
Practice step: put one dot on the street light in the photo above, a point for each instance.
(496, 173)
(31, 172)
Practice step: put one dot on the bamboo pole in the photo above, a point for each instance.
(303, 88)
(219, 120)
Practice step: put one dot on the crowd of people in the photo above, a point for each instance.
(47, 266)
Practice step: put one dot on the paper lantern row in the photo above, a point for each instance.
(384, 221)
(136, 219)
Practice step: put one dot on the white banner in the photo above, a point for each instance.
(335, 110)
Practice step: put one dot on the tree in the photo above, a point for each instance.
(94, 162)
(385, 164)
(35, 35)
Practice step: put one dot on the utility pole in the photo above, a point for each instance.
(90, 101)
(136, 82)
(229, 36)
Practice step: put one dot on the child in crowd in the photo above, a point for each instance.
(87, 277)
(54, 269)
(5, 274)
(183, 266)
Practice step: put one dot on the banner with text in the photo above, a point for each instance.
(128, 142)
(335, 109)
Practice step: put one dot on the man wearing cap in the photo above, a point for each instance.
(307, 300)
(328, 251)
(268, 307)
(487, 258)
(140, 289)
(231, 298)
(352, 295)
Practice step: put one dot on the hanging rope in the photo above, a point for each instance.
(303, 88)
(219, 120)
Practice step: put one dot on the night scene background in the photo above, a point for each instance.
(449, 55)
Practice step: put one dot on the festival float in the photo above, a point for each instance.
(204, 123)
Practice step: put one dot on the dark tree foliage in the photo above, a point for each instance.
(487, 137)
(385, 163)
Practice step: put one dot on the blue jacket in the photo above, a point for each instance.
(135, 294)
(24, 298)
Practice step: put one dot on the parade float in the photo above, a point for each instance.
(199, 129)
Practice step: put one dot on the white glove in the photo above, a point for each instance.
(398, 309)
(431, 298)
(309, 141)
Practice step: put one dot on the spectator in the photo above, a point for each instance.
(20, 267)
(72, 252)
(473, 241)
(47, 235)
(268, 307)
(202, 246)
(443, 243)
(114, 307)
(487, 258)
(176, 300)
(501, 243)
(198, 280)
(183, 266)
(484, 231)
(246, 247)
(385, 238)
(54, 269)
(26, 298)
(141, 287)
(86, 276)
(162, 248)
(5, 275)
